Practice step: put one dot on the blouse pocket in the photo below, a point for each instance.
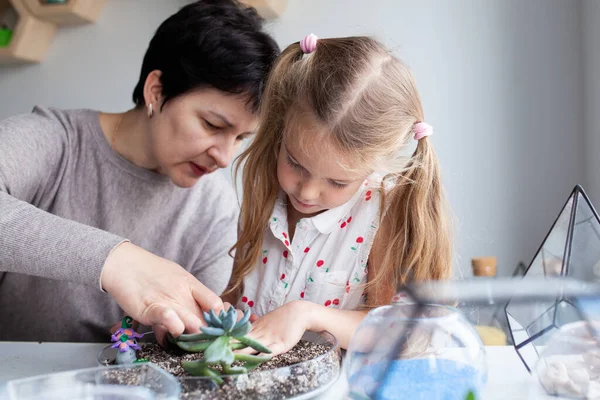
(328, 288)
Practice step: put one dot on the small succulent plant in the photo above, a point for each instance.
(218, 340)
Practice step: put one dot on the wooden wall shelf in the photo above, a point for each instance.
(38, 21)
(73, 12)
(37, 24)
(30, 39)
(268, 9)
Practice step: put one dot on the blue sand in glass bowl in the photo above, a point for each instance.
(439, 379)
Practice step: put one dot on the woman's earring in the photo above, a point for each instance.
(149, 110)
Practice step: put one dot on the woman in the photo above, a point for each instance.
(127, 203)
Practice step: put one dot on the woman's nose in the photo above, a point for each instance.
(223, 152)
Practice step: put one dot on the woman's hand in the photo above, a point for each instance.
(281, 329)
(156, 292)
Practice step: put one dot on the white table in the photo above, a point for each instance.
(507, 376)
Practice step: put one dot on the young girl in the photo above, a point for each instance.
(333, 219)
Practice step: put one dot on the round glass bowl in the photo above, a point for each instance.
(119, 382)
(415, 352)
(301, 380)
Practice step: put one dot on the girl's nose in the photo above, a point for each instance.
(309, 190)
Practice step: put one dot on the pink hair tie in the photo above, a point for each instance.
(421, 130)
(309, 43)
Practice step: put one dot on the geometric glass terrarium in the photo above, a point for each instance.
(569, 363)
(571, 249)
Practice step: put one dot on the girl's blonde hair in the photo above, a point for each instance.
(368, 102)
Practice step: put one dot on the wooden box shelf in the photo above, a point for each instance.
(268, 9)
(72, 12)
(31, 37)
(37, 23)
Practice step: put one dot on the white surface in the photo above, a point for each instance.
(24, 359)
(501, 83)
(507, 377)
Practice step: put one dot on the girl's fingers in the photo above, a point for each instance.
(276, 349)
(247, 350)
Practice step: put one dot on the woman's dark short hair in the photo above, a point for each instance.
(218, 44)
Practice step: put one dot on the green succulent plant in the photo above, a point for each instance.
(218, 340)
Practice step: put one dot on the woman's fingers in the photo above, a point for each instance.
(190, 319)
(156, 291)
(205, 298)
(167, 317)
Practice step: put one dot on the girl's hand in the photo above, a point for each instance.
(282, 328)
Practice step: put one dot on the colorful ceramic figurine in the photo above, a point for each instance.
(125, 340)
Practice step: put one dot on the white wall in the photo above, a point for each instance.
(590, 22)
(500, 81)
(501, 84)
